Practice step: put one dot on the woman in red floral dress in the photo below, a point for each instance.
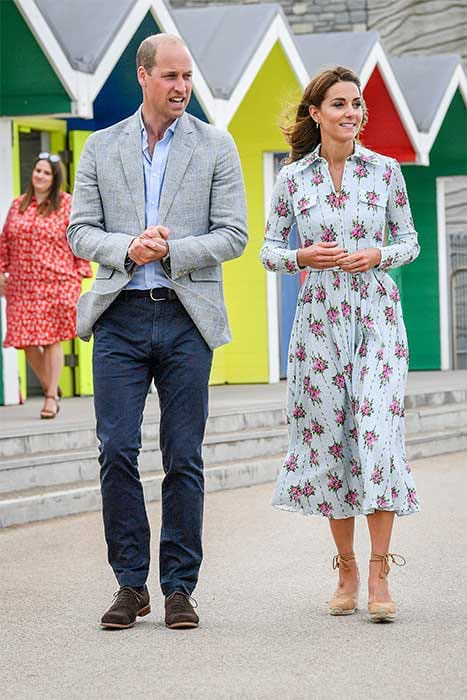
(43, 278)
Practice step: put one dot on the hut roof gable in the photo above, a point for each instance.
(349, 49)
(85, 29)
(224, 39)
(424, 81)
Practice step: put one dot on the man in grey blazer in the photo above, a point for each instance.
(159, 203)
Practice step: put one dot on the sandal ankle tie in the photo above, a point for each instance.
(396, 559)
(342, 560)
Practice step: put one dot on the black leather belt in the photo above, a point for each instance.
(156, 294)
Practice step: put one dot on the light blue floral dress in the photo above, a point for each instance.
(348, 354)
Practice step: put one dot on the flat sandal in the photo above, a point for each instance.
(47, 413)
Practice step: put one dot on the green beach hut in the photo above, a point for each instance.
(436, 91)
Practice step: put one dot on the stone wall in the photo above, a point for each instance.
(324, 16)
(307, 16)
(420, 26)
(406, 26)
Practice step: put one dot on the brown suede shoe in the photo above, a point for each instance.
(179, 611)
(128, 605)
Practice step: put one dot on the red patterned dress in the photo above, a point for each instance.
(44, 277)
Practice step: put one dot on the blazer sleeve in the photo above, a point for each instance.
(86, 234)
(227, 235)
(403, 247)
(275, 253)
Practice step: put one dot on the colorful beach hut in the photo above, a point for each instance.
(247, 67)
(250, 60)
(436, 90)
(37, 85)
(68, 69)
(261, 69)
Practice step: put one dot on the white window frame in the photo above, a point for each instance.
(272, 282)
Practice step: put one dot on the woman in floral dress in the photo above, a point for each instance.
(348, 355)
(42, 283)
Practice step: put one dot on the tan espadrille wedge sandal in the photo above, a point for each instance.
(343, 603)
(379, 611)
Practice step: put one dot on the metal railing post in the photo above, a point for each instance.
(454, 274)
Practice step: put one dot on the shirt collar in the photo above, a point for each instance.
(144, 133)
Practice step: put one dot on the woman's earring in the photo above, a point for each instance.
(317, 125)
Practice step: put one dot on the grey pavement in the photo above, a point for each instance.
(264, 630)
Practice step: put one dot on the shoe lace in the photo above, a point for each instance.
(180, 599)
(126, 594)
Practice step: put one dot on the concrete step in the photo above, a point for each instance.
(248, 434)
(35, 437)
(81, 435)
(439, 397)
(436, 443)
(56, 500)
(52, 502)
(55, 468)
(437, 417)
(50, 471)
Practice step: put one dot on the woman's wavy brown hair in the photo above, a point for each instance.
(52, 203)
(301, 132)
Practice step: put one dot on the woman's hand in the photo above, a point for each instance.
(361, 261)
(2, 283)
(321, 255)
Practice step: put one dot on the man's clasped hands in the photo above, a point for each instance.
(149, 246)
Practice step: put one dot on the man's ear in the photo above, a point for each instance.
(141, 76)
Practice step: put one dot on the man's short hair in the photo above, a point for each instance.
(147, 50)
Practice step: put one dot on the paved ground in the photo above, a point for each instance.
(265, 633)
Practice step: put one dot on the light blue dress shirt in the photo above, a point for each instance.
(152, 275)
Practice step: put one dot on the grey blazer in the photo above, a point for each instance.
(202, 204)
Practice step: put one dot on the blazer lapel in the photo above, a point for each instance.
(132, 164)
(181, 151)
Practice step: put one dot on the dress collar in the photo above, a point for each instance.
(360, 154)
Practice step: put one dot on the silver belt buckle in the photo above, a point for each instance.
(150, 294)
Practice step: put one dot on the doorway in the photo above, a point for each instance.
(31, 143)
(452, 257)
(31, 137)
(282, 289)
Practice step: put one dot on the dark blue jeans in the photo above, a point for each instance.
(137, 340)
